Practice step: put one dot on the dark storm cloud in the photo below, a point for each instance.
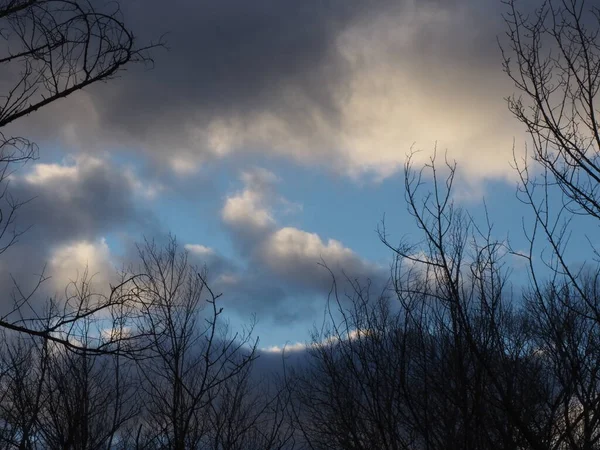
(225, 59)
(234, 57)
(231, 57)
(322, 82)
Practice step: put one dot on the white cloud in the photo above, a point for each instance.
(44, 173)
(228, 279)
(327, 341)
(199, 250)
(288, 245)
(245, 209)
(249, 208)
(184, 164)
(296, 347)
(68, 263)
(297, 255)
(75, 168)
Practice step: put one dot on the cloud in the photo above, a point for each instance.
(47, 173)
(288, 252)
(295, 347)
(335, 84)
(296, 255)
(282, 274)
(247, 211)
(199, 250)
(71, 206)
(80, 198)
(303, 347)
(68, 263)
(292, 244)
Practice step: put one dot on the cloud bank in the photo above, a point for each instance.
(344, 85)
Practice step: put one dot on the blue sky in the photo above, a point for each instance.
(269, 136)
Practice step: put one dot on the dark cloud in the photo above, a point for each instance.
(230, 58)
(285, 288)
(236, 58)
(77, 201)
(249, 288)
(306, 80)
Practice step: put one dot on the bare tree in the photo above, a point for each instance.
(190, 384)
(24, 362)
(88, 400)
(553, 56)
(400, 376)
(567, 341)
(89, 396)
(56, 47)
(455, 361)
(53, 397)
(251, 412)
(190, 357)
(453, 278)
(349, 396)
(14, 152)
(67, 320)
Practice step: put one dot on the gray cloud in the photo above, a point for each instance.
(231, 56)
(251, 289)
(72, 207)
(79, 200)
(347, 84)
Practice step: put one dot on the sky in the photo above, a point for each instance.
(269, 138)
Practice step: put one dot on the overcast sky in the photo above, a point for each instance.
(269, 138)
